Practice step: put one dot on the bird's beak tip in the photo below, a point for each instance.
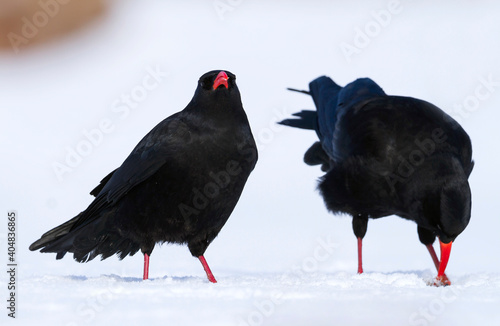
(221, 79)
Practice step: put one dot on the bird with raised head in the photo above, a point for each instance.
(389, 155)
(179, 185)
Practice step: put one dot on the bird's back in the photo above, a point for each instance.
(387, 150)
(394, 129)
(333, 101)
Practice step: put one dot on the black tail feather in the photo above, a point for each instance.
(86, 247)
(308, 120)
(85, 242)
(54, 234)
(299, 91)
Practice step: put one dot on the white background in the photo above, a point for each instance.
(281, 258)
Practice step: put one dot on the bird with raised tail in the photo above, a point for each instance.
(179, 185)
(390, 155)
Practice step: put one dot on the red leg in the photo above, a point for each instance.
(210, 276)
(146, 267)
(360, 256)
(433, 255)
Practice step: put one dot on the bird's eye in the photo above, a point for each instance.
(207, 83)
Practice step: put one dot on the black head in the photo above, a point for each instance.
(218, 99)
(446, 201)
(216, 95)
(217, 84)
(455, 210)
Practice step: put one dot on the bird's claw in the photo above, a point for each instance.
(441, 281)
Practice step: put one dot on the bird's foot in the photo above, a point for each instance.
(441, 281)
(211, 278)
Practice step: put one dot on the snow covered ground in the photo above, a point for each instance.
(281, 259)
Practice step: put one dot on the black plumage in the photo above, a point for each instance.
(389, 155)
(179, 184)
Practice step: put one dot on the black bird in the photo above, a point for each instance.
(179, 184)
(389, 155)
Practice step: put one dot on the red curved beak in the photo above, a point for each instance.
(445, 256)
(221, 79)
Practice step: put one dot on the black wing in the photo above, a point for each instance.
(101, 185)
(152, 152)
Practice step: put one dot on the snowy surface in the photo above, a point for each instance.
(281, 259)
